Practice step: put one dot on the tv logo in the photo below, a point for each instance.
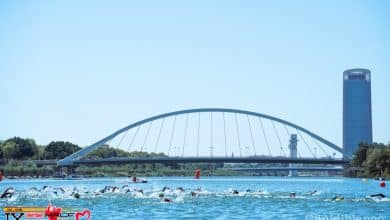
(50, 213)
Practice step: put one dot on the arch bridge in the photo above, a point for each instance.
(214, 135)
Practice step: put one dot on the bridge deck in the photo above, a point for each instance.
(210, 160)
(287, 169)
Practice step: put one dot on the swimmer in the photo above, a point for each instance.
(125, 188)
(293, 195)
(140, 191)
(337, 198)
(180, 189)
(106, 189)
(248, 190)
(381, 195)
(165, 189)
(8, 193)
(77, 195)
(33, 188)
(193, 194)
(60, 189)
(134, 179)
(235, 192)
(312, 192)
(109, 188)
(167, 200)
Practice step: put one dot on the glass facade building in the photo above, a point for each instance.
(357, 119)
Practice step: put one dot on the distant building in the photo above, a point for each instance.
(357, 119)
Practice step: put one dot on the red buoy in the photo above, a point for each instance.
(382, 184)
(197, 174)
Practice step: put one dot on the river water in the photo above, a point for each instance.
(213, 197)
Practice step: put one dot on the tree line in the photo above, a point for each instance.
(371, 160)
(17, 154)
(18, 148)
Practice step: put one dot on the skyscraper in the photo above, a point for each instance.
(357, 119)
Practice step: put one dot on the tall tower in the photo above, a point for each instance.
(293, 153)
(357, 119)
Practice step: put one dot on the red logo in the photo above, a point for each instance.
(52, 212)
(85, 213)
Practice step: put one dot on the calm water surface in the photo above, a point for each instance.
(267, 198)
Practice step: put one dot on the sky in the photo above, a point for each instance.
(79, 70)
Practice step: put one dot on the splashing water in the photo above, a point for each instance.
(215, 198)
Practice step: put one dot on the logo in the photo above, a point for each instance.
(50, 213)
(86, 213)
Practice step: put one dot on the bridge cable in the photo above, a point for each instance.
(211, 134)
(146, 136)
(133, 139)
(288, 133)
(315, 141)
(224, 133)
(238, 133)
(171, 139)
(185, 135)
(123, 137)
(159, 134)
(108, 144)
(265, 137)
(250, 131)
(304, 141)
(277, 135)
(198, 136)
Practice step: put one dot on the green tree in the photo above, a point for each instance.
(9, 150)
(23, 147)
(1, 149)
(39, 152)
(59, 149)
(360, 155)
(106, 151)
(373, 159)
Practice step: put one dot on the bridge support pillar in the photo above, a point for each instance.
(293, 153)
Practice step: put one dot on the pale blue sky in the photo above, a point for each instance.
(78, 70)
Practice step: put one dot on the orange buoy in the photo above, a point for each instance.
(382, 184)
(197, 174)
